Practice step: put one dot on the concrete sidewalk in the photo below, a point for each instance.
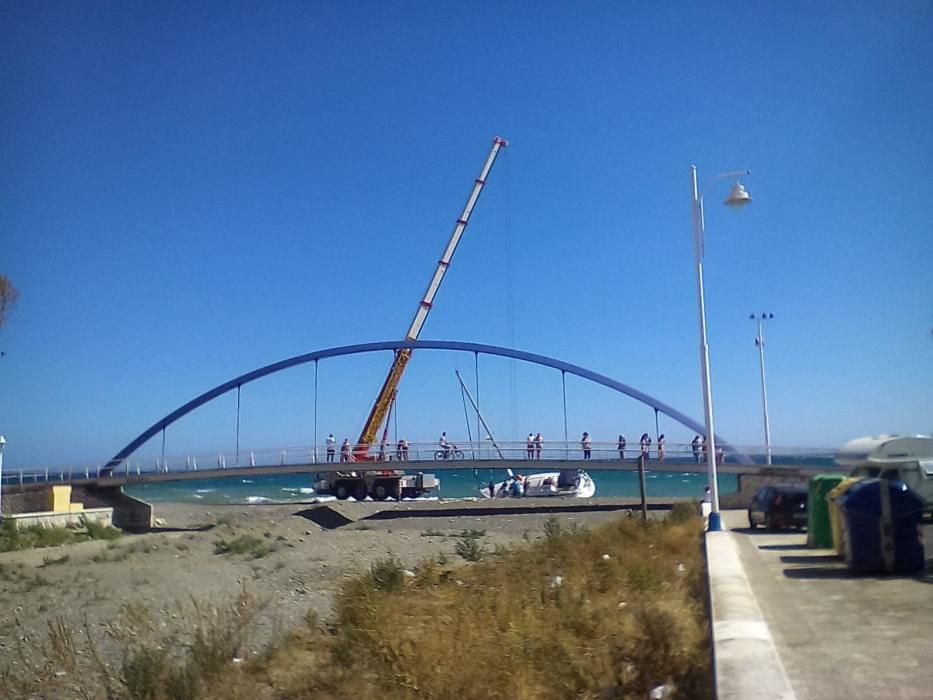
(813, 630)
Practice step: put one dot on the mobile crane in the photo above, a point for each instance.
(384, 483)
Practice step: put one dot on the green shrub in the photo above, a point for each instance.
(98, 531)
(386, 574)
(244, 544)
(552, 527)
(469, 549)
(471, 534)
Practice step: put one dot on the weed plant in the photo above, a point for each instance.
(607, 613)
(248, 545)
(469, 549)
(199, 661)
(36, 536)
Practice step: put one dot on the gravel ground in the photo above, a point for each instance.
(313, 547)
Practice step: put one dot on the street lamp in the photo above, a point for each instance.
(760, 342)
(2, 445)
(737, 199)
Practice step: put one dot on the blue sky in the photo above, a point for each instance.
(193, 190)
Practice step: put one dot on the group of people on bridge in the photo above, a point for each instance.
(534, 446)
(347, 450)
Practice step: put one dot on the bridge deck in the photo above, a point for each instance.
(520, 466)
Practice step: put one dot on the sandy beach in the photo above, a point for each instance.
(301, 553)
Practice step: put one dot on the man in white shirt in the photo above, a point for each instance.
(331, 443)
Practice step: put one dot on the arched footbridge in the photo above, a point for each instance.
(477, 348)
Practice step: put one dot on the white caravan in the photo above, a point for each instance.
(907, 458)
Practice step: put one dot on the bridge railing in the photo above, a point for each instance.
(500, 453)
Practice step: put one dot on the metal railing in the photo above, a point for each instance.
(500, 453)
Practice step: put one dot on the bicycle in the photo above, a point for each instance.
(452, 453)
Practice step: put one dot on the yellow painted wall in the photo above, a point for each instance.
(60, 499)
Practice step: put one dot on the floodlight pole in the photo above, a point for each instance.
(760, 342)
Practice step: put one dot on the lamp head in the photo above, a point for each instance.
(2, 442)
(738, 197)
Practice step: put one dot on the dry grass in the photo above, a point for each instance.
(607, 613)
(610, 613)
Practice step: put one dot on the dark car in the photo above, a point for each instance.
(778, 507)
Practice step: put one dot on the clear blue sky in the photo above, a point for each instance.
(193, 190)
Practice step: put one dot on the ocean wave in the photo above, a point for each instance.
(258, 499)
(205, 490)
(304, 489)
(246, 481)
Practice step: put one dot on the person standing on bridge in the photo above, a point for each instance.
(695, 444)
(530, 446)
(539, 444)
(331, 443)
(645, 446)
(345, 455)
(661, 447)
(622, 444)
(587, 444)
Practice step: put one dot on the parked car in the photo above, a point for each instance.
(780, 506)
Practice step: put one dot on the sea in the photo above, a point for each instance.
(455, 484)
(458, 484)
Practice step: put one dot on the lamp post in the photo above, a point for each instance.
(760, 342)
(737, 199)
(2, 445)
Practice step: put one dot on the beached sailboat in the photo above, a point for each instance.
(575, 483)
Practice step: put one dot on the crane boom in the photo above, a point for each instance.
(384, 399)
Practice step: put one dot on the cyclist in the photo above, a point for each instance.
(444, 445)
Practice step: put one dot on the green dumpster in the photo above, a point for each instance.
(819, 530)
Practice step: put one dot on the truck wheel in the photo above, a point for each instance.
(380, 491)
(341, 491)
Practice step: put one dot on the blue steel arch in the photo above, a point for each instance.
(396, 345)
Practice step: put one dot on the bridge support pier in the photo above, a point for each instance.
(129, 513)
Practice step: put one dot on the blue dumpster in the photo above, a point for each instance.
(882, 521)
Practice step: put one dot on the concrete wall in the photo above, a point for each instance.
(37, 501)
(19, 500)
(61, 519)
(128, 513)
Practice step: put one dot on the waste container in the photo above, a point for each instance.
(835, 512)
(881, 522)
(819, 532)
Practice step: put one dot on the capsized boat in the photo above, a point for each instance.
(567, 482)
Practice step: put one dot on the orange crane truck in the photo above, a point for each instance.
(384, 483)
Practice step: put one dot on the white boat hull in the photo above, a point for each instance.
(545, 484)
